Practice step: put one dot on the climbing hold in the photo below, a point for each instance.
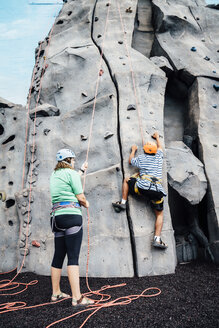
(107, 5)
(46, 131)
(84, 94)
(99, 36)
(83, 138)
(101, 72)
(108, 135)
(207, 58)
(203, 40)
(44, 57)
(214, 71)
(151, 112)
(110, 96)
(128, 117)
(215, 145)
(35, 243)
(214, 106)
(193, 49)
(129, 10)
(131, 107)
(197, 18)
(185, 17)
(96, 19)
(59, 86)
(2, 196)
(120, 42)
(216, 86)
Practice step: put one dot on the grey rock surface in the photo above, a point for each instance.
(204, 126)
(71, 79)
(185, 172)
(44, 110)
(12, 177)
(181, 25)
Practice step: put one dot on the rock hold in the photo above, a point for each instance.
(185, 172)
(83, 138)
(216, 87)
(46, 131)
(35, 243)
(131, 107)
(24, 252)
(44, 110)
(108, 135)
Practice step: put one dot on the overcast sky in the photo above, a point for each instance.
(22, 25)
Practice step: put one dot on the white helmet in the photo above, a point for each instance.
(64, 153)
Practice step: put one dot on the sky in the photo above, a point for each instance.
(22, 25)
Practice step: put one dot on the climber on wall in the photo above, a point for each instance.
(66, 220)
(147, 183)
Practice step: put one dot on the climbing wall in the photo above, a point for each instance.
(106, 55)
(120, 243)
(12, 136)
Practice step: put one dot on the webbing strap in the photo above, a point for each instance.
(62, 205)
(150, 178)
(157, 201)
(67, 232)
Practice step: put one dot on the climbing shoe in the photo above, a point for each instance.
(118, 207)
(159, 244)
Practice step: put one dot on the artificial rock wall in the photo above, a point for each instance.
(66, 79)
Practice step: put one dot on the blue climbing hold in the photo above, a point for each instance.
(216, 86)
(214, 71)
(214, 106)
(207, 58)
(193, 49)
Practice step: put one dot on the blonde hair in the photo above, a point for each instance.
(62, 165)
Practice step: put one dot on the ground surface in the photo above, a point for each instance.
(188, 299)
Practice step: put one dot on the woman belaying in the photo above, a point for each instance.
(66, 220)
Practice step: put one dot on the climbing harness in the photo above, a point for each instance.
(59, 206)
(153, 181)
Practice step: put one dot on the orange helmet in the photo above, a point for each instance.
(150, 148)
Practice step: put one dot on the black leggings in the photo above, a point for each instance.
(67, 244)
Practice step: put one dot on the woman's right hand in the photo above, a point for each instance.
(87, 204)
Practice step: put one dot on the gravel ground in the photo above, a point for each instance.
(189, 298)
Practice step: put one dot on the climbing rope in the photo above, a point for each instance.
(10, 283)
(132, 74)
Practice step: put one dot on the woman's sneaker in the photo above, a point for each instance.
(118, 207)
(159, 244)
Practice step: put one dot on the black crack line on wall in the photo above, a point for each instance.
(190, 9)
(130, 225)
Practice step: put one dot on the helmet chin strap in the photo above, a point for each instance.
(67, 163)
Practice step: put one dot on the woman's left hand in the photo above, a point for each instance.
(84, 166)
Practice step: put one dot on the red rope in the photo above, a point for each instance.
(133, 75)
(9, 282)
